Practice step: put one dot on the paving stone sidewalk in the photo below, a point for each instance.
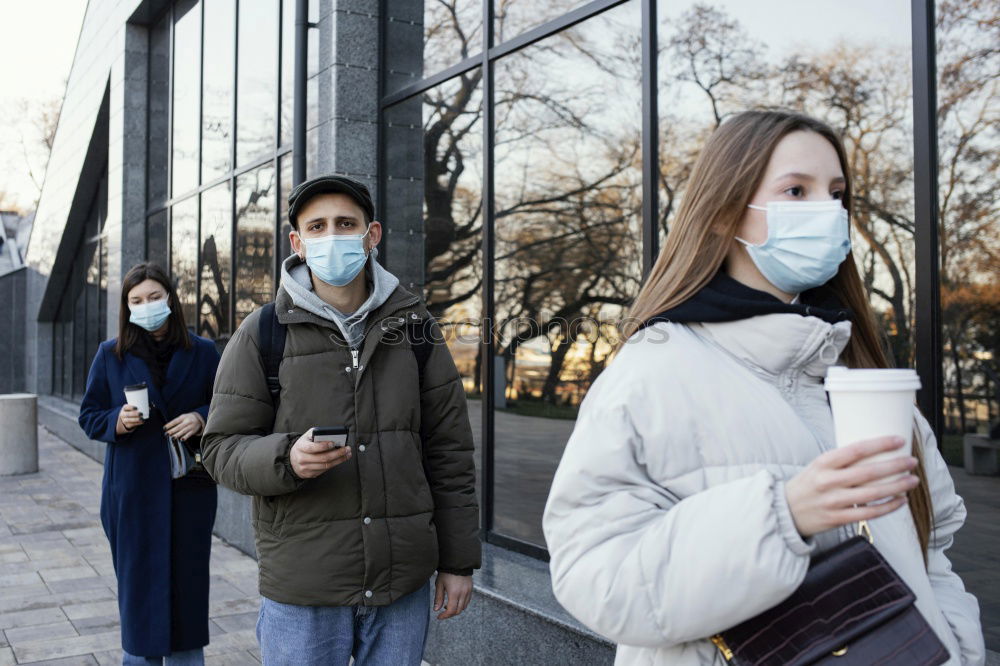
(57, 585)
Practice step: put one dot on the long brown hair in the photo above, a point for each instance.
(724, 179)
(129, 333)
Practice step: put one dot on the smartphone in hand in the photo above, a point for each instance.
(336, 435)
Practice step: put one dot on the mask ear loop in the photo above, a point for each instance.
(747, 243)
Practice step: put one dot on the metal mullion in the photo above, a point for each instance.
(277, 106)
(170, 138)
(426, 84)
(650, 138)
(487, 341)
(552, 27)
(236, 90)
(233, 245)
(276, 241)
(229, 175)
(201, 122)
(299, 103)
(927, 301)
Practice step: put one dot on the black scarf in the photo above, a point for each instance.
(726, 299)
(156, 354)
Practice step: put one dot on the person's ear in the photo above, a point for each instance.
(298, 247)
(374, 234)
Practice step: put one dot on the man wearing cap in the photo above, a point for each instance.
(347, 538)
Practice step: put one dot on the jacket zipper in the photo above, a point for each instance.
(354, 358)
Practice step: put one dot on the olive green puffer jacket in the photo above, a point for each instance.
(376, 527)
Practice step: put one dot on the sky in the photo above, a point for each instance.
(40, 38)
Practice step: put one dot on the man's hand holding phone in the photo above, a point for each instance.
(318, 450)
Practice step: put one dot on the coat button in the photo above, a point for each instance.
(368, 520)
(291, 311)
(368, 594)
(347, 368)
(361, 448)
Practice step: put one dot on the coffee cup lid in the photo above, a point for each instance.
(839, 378)
(136, 387)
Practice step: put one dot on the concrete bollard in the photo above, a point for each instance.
(18, 434)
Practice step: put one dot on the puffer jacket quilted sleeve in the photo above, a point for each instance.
(640, 565)
(238, 448)
(959, 608)
(451, 469)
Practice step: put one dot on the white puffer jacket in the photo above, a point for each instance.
(667, 520)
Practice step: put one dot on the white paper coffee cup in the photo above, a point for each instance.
(870, 403)
(138, 396)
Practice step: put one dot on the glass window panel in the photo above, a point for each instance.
(969, 213)
(187, 88)
(853, 70)
(159, 102)
(568, 242)
(512, 17)
(255, 219)
(285, 165)
(216, 262)
(67, 353)
(57, 357)
(257, 80)
(430, 36)
(80, 335)
(184, 257)
(218, 80)
(288, 70)
(441, 131)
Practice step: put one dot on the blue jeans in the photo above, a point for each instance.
(187, 658)
(391, 635)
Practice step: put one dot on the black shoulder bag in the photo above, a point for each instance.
(852, 609)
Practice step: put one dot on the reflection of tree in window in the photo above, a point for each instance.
(216, 251)
(969, 163)
(184, 255)
(255, 219)
(568, 184)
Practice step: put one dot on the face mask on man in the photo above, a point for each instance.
(150, 316)
(806, 243)
(336, 259)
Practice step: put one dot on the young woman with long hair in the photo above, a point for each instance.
(702, 473)
(159, 528)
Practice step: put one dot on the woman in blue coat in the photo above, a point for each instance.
(160, 529)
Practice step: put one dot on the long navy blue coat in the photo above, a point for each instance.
(160, 530)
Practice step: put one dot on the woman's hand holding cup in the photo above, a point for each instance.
(129, 418)
(839, 487)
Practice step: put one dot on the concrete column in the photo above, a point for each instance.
(125, 225)
(18, 434)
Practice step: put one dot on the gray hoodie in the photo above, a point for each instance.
(297, 281)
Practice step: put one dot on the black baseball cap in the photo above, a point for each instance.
(329, 184)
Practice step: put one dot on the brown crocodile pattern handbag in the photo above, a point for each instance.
(852, 609)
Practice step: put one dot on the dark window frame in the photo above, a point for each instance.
(927, 323)
(274, 157)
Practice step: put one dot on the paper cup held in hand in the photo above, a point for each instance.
(870, 403)
(138, 396)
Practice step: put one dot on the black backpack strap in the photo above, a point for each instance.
(271, 334)
(419, 335)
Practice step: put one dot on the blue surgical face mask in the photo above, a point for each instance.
(336, 259)
(151, 316)
(806, 243)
